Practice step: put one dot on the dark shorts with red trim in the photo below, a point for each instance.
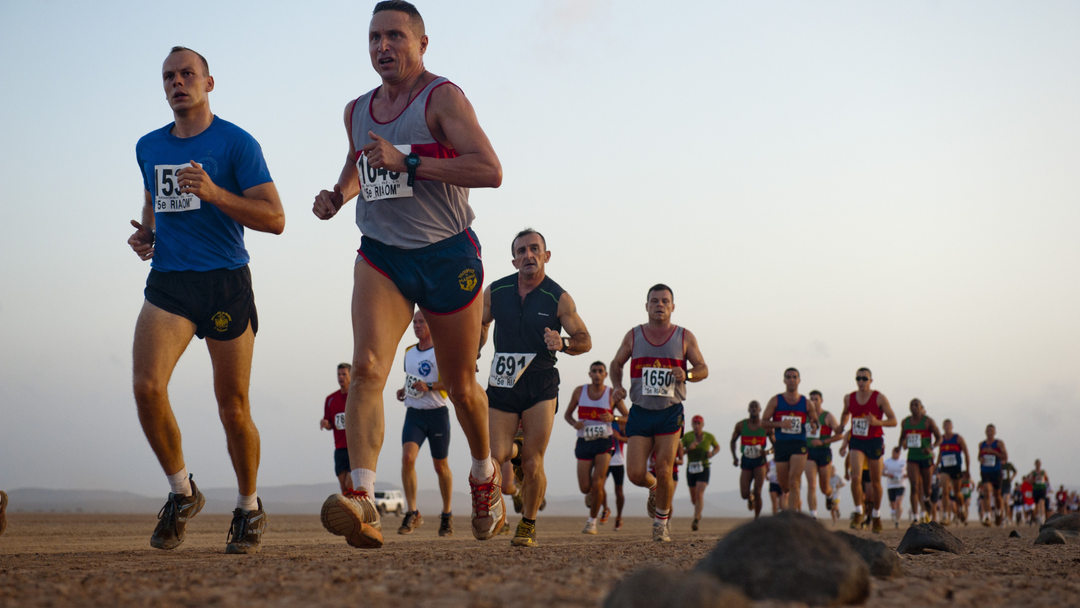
(820, 456)
(873, 447)
(589, 449)
(220, 303)
(441, 278)
(784, 450)
(652, 423)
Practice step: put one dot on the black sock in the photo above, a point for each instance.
(531, 522)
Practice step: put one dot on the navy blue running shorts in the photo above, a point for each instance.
(617, 472)
(341, 461)
(433, 424)
(784, 450)
(654, 423)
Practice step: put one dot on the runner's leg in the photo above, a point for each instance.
(666, 448)
(759, 481)
(409, 452)
(584, 475)
(876, 467)
(638, 450)
(446, 481)
(536, 423)
(699, 504)
(796, 466)
(599, 474)
(811, 485)
(856, 462)
(232, 375)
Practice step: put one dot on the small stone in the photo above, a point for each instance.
(929, 537)
(1014, 534)
(662, 588)
(882, 561)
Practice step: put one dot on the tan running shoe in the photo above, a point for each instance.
(856, 520)
(590, 528)
(410, 522)
(488, 510)
(353, 515)
(505, 529)
(3, 511)
(519, 500)
(650, 506)
(876, 526)
(525, 536)
(660, 533)
(173, 518)
(246, 530)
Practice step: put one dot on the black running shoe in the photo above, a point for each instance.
(246, 530)
(446, 524)
(173, 518)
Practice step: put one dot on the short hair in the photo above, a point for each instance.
(527, 232)
(659, 287)
(991, 425)
(816, 392)
(865, 369)
(754, 402)
(600, 363)
(792, 369)
(206, 66)
(914, 401)
(948, 420)
(344, 366)
(402, 6)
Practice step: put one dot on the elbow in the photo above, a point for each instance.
(277, 225)
(495, 176)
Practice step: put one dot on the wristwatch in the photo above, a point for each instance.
(689, 375)
(430, 386)
(565, 344)
(412, 161)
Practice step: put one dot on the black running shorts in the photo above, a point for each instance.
(531, 388)
(219, 302)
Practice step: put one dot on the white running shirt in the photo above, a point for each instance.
(894, 470)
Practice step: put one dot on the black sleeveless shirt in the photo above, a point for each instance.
(519, 324)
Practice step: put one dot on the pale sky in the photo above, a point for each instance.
(825, 186)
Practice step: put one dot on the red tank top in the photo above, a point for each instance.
(862, 430)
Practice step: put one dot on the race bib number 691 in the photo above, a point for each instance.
(506, 368)
(167, 195)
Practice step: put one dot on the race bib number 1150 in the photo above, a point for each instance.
(167, 195)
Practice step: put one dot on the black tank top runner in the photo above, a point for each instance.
(519, 325)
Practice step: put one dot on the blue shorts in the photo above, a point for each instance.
(433, 424)
(654, 423)
(341, 461)
(442, 278)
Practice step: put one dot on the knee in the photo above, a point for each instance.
(368, 374)
(532, 465)
(636, 476)
(461, 393)
(408, 461)
(234, 411)
(149, 391)
(442, 468)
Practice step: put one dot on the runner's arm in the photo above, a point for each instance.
(486, 321)
(838, 431)
(569, 415)
(258, 209)
(329, 202)
(735, 439)
(766, 416)
(698, 369)
(937, 434)
(142, 241)
(715, 449)
(1002, 451)
(890, 417)
(618, 405)
(580, 340)
(621, 357)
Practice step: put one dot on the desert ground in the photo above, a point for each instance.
(106, 560)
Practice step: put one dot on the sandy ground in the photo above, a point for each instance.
(106, 560)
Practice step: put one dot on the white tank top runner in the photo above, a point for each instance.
(420, 366)
(589, 412)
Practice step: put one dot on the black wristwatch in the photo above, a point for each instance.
(430, 386)
(565, 344)
(412, 161)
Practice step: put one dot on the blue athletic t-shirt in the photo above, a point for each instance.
(193, 234)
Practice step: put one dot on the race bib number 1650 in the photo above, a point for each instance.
(657, 382)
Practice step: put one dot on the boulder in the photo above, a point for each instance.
(925, 538)
(882, 561)
(1062, 522)
(1014, 534)
(790, 557)
(1050, 536)
(661, 588)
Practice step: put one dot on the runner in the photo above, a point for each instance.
(617, 470)
(1027, 490)
(953, 460)
(426, 417)
(869, 412)
(334, 420)
(751, 436)
(415, 149)
(776, 493)
(1062, 498)
(836, 483)
(915, 433)
(1008, 473)
(896, 471)
(992, 454)
(819, 468)
(1018, 502)
(595, 444)
(967, 486)
(658, 377)
(788, 413)
(529, 310)
(205, 180)
(1040, 483)
(699, 447)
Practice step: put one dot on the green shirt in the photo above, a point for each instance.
(701, 452)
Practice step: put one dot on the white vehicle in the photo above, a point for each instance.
(389, 501)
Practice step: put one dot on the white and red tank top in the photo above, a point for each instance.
(589, 411)
(861, 414)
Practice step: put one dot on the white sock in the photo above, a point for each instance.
(483, 469)
(813, 513)
(592, 520)
(179, 482)
(662, 516)
(363, 479)
(875, 513)
(247, 503)
(858, 509)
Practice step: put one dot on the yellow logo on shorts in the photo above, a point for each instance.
(221, 321)
(467, 279)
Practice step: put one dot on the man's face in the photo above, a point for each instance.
(990, 432)
(816, 400)
(863, 379)
(597, 374)
(947, 427)
(895, 453)
(791, 380)
(395, 48)
(530, 255)
(343, 378)
(916, 408)
(659, 305)
(699, 425)
(185, 81)
(755, 410)
(419, 326)
(1038, 465)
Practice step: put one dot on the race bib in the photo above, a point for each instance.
(814, 432)
(948, 460)
(339, 421)
(380, 184)
(914, 441)
(506, 368)
(410, 380)
(796, 427)
(989, 460)
(751, 451)
(167, 197)
(695, 467)
(657, 382)
(596, 431)
(860, 427)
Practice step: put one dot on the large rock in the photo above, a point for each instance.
(1062, 522)
(657, 588)
(1050, 536)
(882, 561)
(790, 557)
(925, 538)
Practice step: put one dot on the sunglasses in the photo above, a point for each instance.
(862, 379)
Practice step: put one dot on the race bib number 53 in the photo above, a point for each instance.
(506, 368)
(657, 382)
(167, 195)
(379, 184)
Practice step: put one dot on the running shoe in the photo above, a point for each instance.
(590, 528)
(660, 533)
(525, 536)
(618, 524)
(488, 510)
(694, 526)
(650, 506)
(588, 500)
(173, 518)
(519, 473)
(519, 500)
(876, 529)
(446, 524)
(246, 530)
(352, 514)
(856, 520)
(505, 529)
(604, 515)
(411, 522)
(750, 503)
(3, 511)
